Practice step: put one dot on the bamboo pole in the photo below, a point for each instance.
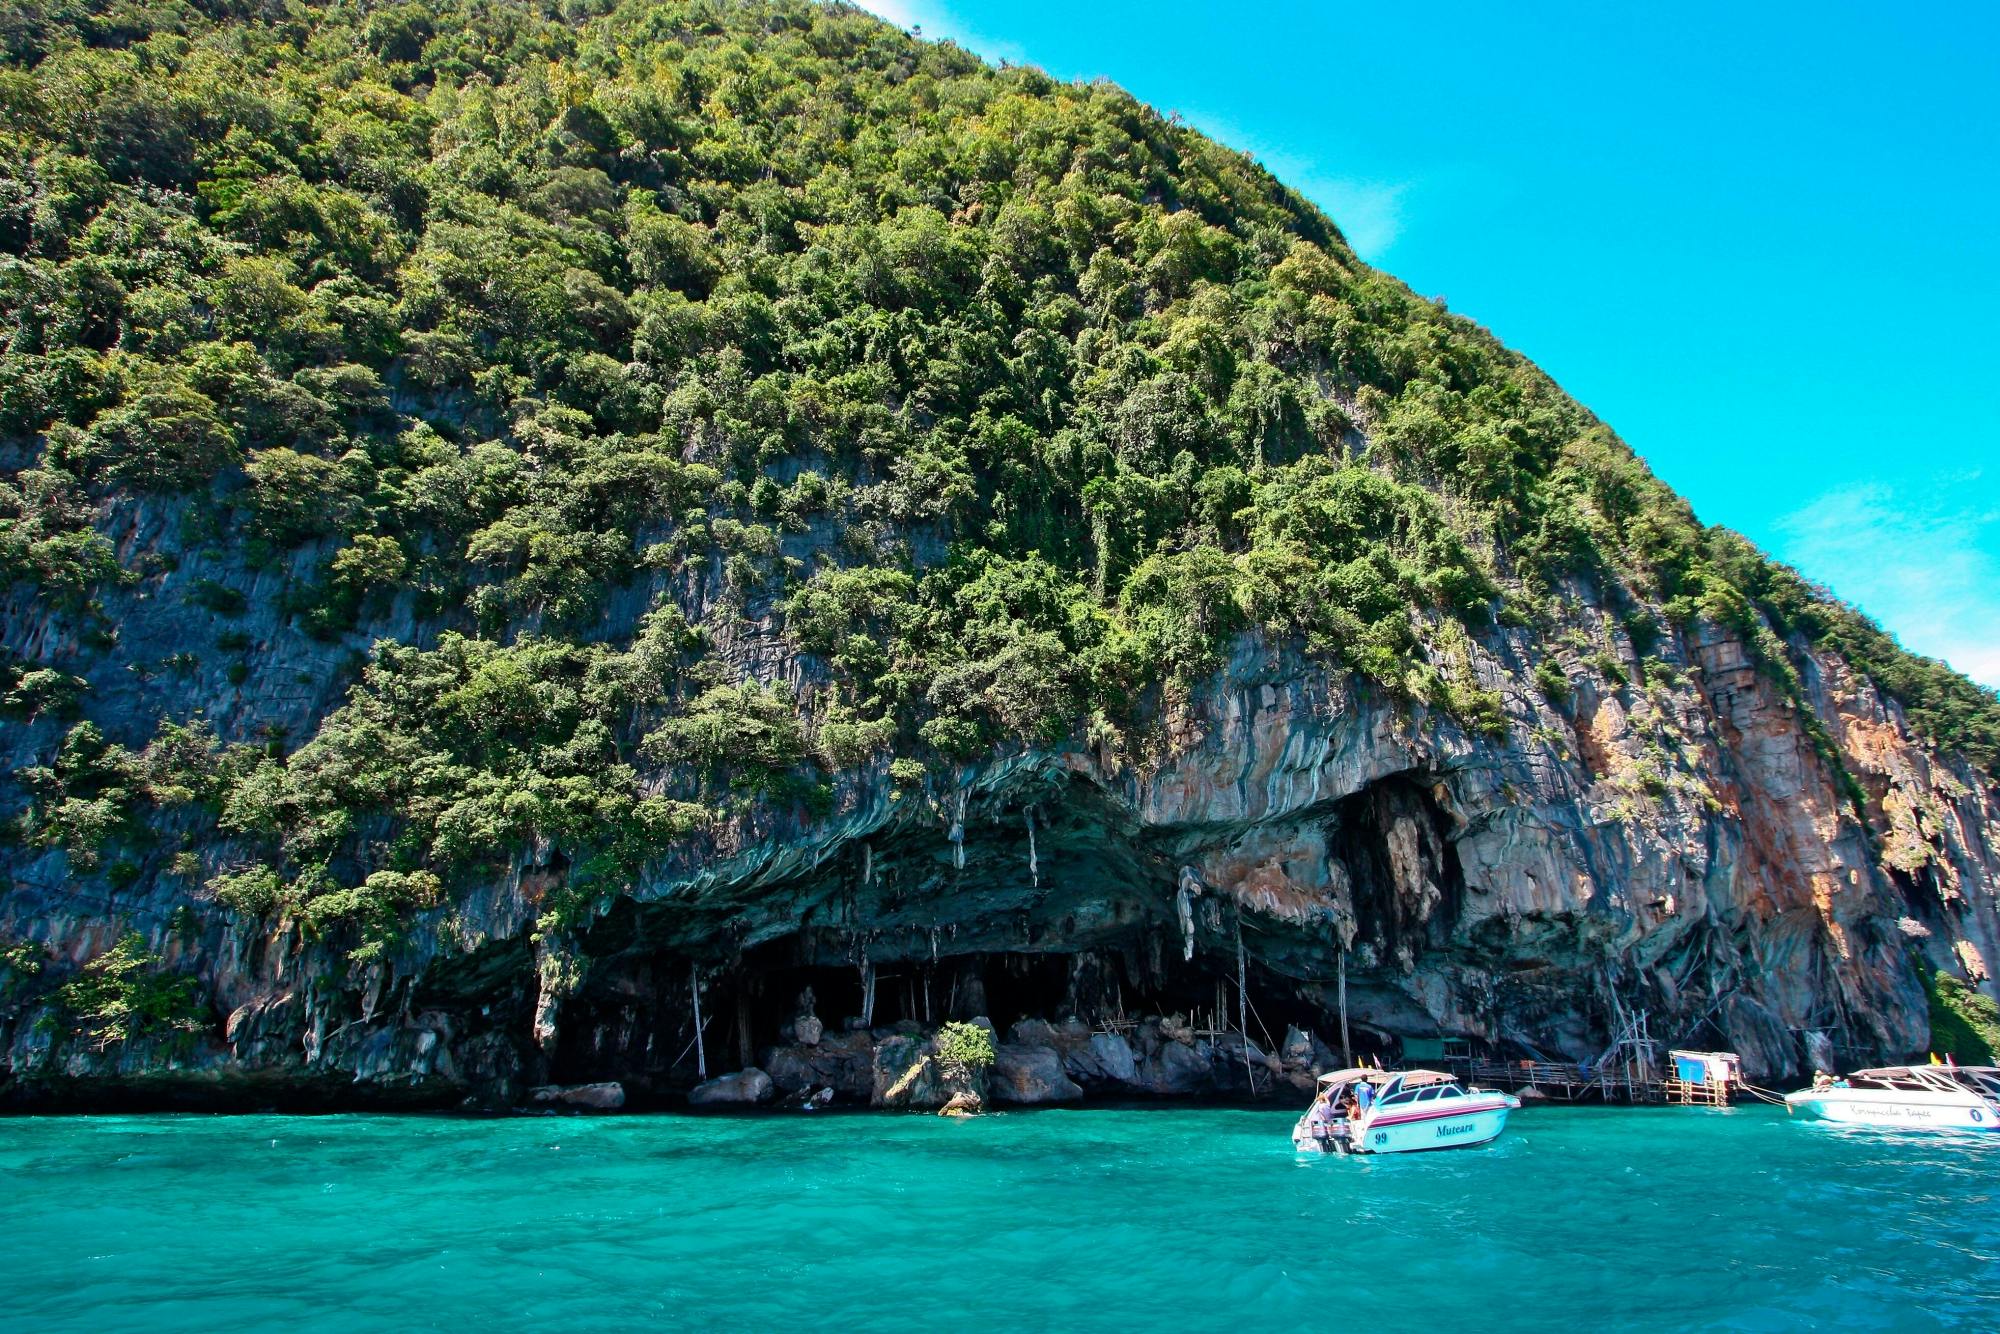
(1346, 1046)
(700, 1047)
(1243, 1005)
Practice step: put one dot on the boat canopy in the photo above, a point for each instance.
(1410, 1078)
(1980, 1080)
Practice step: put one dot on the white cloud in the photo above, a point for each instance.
(899, 12)
(1368, 213)
(1924, 560)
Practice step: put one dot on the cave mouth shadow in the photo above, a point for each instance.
(1393, 839)
(1050, 906)
(635, 1024)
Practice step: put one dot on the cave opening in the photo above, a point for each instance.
(633, 1021)
(1393, 840)
(1060, 918)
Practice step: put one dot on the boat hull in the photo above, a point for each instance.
(1405, 1130)
(1394, 1130)
(1888, 1109)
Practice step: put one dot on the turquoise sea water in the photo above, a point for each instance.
(1079, 1220)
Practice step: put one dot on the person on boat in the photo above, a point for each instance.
(1324, 1113)
(1822, 1079)
(1364, 1098)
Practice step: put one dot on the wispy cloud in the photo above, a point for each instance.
(1924, 560)
(1368, 213)
(937, 21)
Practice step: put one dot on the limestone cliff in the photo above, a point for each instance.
(1678, 846)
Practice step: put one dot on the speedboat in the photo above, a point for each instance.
(1411, 1110)
(1908, 1097)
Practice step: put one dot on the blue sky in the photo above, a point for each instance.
(1760, 241)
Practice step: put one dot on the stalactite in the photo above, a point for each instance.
(867, 989)
(957, 833)
(1184, 896)
(1034, 865)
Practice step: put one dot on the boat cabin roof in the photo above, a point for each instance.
(1410, 1078)
(1983, 1078)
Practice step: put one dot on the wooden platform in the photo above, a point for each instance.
(1566, 1083)
(1572, 1083)
(1696, 1093)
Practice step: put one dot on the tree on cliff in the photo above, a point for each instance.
(963, 1050)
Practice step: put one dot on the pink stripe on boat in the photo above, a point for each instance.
(1435, 1114)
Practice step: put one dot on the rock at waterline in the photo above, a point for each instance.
(844, 1061)
(1027, 1076)
(908, 1074)
(1106, 1058)
(746, 1087)
(607, 1097)
(1178, 1069)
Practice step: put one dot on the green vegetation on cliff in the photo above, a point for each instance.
(1010, 401)
(1964, 1024)
(125, 994)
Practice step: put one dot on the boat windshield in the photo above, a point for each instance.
(1928, 1079)
(1982, 1080)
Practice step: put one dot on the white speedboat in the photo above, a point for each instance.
(1411, 1110)
(1908, 1097)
